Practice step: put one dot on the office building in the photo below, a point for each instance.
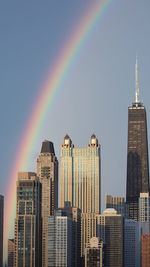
(80, 182)
(110, 230)
(137, 157)
(11, 253)
(1, 228)
(144, 207)
(64, 237)
(28, 221)
(47, 171)
(145, 250)
(132, 236)
(94, 253)
(117, 203)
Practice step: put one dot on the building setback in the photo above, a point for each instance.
(1, 228)
(110, 230)
(28, 221)
(137, 154)
(47, 171)
(80, 182)
(117, 203)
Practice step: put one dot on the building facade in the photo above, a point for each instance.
(145, 250)
(1, 228)
(117, 203)
(80, 182)
(137, 154)
(94, 253)
(11, 253)
(110, 230)
(28, 221)
(132, 243)
(47, 171)
(144, 207)
(64, 237)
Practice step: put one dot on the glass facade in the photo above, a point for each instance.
(28, 221)
(137, 158)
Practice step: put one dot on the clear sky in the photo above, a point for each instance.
(98, 88)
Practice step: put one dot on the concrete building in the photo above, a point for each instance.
(1, 228)
(132, 235)
(137, 157)
(80, 182)
(144, 207)
(64, 237)
(28, 221)
(11, 253)
(47, 171)
(110, 230)
(94, 253)
(145, 250)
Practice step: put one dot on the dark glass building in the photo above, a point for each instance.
(137, 154)
(1, 228)
(28, 221)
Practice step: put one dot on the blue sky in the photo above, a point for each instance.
(97, 91)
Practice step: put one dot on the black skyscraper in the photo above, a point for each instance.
(137, 158)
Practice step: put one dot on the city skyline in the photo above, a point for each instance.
(107, 97)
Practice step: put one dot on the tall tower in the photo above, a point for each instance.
(110, 230)
(1, 228)
(28, 221)
(47, 171)
(64, 237)
(137, 157)
(80, 182)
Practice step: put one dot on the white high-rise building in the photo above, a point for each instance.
(64, 237)
(144, 207)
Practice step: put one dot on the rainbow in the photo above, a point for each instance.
(45, 99)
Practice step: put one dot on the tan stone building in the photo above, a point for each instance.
(80, 182)
(47, 171)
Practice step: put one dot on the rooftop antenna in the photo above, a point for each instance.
(136, 82)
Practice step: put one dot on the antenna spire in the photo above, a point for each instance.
(136, 82)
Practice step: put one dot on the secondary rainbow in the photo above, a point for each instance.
(44, 100)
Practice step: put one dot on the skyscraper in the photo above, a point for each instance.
(137, 157)
(64, 237)
(132, 235)
(28, 221)
(47, 171)
(1, 228)
(110, 230)
(80, 182)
